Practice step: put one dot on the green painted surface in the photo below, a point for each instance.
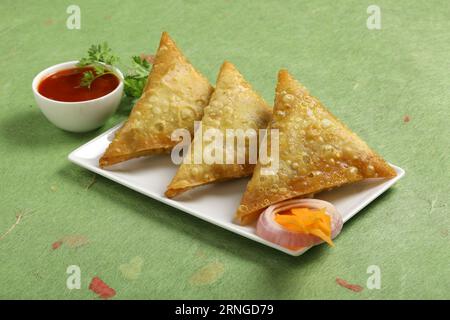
(371, 79)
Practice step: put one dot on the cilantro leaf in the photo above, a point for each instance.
(136, 79)
(99, 53)
(98, 56)
(87, 79)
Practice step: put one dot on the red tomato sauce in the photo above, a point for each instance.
(65, 86)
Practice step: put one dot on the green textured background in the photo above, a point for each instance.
(371, 79)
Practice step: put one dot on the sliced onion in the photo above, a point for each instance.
(269, 229)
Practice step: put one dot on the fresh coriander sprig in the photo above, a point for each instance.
(100, 55)
(136, 79)
(87, 79)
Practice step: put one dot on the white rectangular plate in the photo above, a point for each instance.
(214, 203)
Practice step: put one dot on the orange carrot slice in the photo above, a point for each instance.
(309, 221)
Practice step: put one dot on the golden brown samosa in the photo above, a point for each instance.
(233, 105)
(317, 152)
(174, 97)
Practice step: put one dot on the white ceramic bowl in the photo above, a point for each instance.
(77, 116)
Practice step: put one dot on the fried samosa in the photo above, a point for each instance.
(233, 105)
(174, 97)
(316, 152)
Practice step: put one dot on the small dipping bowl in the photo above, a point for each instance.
(79, 116)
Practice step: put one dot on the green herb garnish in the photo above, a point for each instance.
(136, 79)
(98, 56)
(101, 55)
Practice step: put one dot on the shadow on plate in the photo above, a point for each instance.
(227, 188)
(137, 165)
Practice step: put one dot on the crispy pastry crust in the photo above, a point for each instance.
(317, 152)
(233, 105)
(174, 97)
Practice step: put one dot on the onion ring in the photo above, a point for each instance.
(267, 228)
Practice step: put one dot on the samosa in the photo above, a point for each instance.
(173, 98)
(316, 152)
(233, 106)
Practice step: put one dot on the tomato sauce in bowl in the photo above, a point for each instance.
(65, 85)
